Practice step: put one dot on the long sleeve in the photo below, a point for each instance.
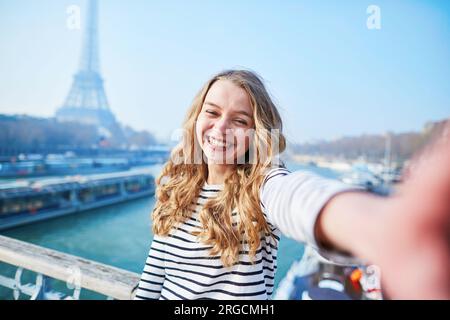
(293, 200)
(153, 276)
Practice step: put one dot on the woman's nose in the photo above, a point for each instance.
(221, 124)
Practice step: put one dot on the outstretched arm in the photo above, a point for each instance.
(407, 235)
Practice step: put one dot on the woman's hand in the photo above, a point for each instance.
(407, 235)
(413, 251)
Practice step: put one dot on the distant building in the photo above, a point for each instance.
(86, 102)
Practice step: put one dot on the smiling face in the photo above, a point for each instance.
(223, 127)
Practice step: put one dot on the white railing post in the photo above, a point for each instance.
(50, 264)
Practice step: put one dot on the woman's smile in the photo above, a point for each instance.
(217, 144)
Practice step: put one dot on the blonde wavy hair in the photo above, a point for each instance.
(183, 176)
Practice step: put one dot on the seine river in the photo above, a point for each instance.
(120, 235)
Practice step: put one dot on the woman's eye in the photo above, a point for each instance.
(243, 122)
(211, 112)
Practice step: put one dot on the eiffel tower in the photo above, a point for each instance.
(86, 102)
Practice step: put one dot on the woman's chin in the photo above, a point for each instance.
(218, 158)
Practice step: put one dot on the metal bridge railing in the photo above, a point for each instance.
(48, 264)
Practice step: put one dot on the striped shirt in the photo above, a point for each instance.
(179, 266)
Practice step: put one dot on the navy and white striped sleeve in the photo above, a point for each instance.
(293, 201)
(153, 275)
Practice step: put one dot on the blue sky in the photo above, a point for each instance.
(329, 74)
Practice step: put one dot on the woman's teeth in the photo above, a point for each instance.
(217, 143)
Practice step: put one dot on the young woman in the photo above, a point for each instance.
(223, 200)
